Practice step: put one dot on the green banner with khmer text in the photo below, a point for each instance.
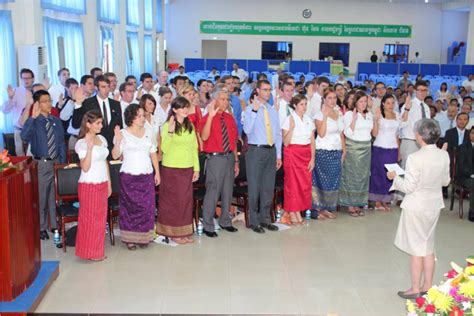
(305, 29)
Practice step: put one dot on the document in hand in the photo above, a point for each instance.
(395, 167)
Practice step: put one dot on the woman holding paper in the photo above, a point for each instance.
(427, 171)
(385, 150)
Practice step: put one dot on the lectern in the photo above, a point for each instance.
(20, 252)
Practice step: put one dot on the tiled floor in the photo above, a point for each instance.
(346, 266)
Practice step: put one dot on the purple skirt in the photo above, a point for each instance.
(137, 208)
(379, 183)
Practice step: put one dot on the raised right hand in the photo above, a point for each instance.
(117, 133)
(309, 91)
(211, 108)
(36, 110)
(89, 141)
(408, 102)
(256, 104)
(354, 115)
(79, 96)
(171, 125)
(10, 91)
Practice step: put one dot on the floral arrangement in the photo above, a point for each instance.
(5, 161)
(453, 297)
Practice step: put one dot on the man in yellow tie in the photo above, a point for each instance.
(263, 157)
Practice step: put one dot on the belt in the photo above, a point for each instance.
(219, 154)
(263, 146)
(43, 158)
(413, 140)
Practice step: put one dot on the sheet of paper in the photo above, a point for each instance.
(395, 167)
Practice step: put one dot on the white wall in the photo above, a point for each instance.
(454, 28)
(27, 18)
(184, 38)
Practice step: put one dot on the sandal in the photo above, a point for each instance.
(143, 246)
(329, 215)
(180, 241)
(131, 247)
(189, 240)
(360, 213)
(99, 259)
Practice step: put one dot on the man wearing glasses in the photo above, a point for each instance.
(412, 111)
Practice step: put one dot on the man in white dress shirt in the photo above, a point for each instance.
(315, 95)
(127, 93)
(17, 101)
(447, 119)
(469, 83)
(242, 74)
(56, 90)
(412, 111)
(162, 81)
(283, 97)
(114, 92)
(147, 87)
(380, 92)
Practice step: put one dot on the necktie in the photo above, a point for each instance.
(52, 152)
(451, 123)
(106, 119)
(225, 136)
(423, 114)
(268, 128)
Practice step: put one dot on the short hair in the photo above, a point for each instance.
(185, 89)
(145, 75)
(175, 79)
(61, 70)
(260, 75)
(164, 90)
(379, 83)
(285, 83)
(467, 98)
(26, 71)
(322, 79)
(100, 78)
(236, 77)
(428, 98)
(124, 86)
(71, 81)
(405, 72)
(93, 70)
(262, 82)
(429, 130)
(38, 94)
(296, 99)
(453, 101)
(236, 64)
(201, 81)
(218, 89)
(131, 112)
(181, 67)
(85, 78)
(127, 78)
(224, 78)
(461, 114)
(109, 74)
(421, 83)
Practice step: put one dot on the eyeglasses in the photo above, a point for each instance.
(264, 89)
(26, 78)
(422, 90)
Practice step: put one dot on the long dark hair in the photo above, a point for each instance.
(180, 103)
(145, 98)
(359, 95)
(382, 103)
(90, 117)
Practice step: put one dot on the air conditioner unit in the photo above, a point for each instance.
(34, 57)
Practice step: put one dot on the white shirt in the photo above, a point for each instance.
(363, 127)
(152, 93)
(123, 107)
(314, 105)
(107, 107)
(388, 133)
(332, 139)
(460, 135)
(407, 128)
(161, 115)
(154, 128)
(242, 74)
(136, 153)
(470, 123)
(54, 91)
(275, 81)
(466, 83)
(98, 170)
(444, 122)
(284, 111)
(67, 111)
(302, 131)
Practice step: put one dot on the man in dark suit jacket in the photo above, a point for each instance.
(464, 170)
(110, 109)
(452, 134)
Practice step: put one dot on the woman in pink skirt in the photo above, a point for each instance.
(94, 188)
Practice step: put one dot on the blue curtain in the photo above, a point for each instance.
(133, 15)
(133, 64)
(108, 11)
(68, 6)
(106, 36)
(148, 49)
(73, 35)
(7, 67)
(5, 1)
(148, 14)
(159, 16)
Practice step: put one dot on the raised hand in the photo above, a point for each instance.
(89, 141)
(61, 101)
(36, 110)
(211, 108)
(46, 83)
(370, 102)
(354, 115)
(10, 91)
(325, 110)
(139, 93)
(117, 96)
(256, 104)
(309, 91)
(117, 134)
(408, 102)
(79, 96)
(171, 125)
(276, 101)
(378, 113)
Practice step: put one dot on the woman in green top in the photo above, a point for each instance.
(179, 169)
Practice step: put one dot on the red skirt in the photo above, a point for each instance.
(90, 236)
(297, 179)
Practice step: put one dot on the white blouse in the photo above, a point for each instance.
(136, 152)
(98, 170)
(332, 139)
(154, 128)
(363, 127)
(302, 131)
(388, 133)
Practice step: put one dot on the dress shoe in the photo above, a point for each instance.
(471, 216)
(258, 229)
(314, 214)
(230, 229)
(209, 234)
(270, 227)
(44, 235)
(408, 296)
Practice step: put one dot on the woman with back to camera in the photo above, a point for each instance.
(427, 171)
(135, 144)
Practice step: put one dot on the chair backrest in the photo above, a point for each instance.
(202, 176)
(242, 176)
(114, 168)
(9, 143)
(66, 180)
(72, 157)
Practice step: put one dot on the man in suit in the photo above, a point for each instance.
(458, 135)
(464, 169)
(110, 109)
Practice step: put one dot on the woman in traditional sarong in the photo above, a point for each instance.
(298, 139)
(94, 188)
(179, 169)
(137, 183)
(358, 124)
(384, 151)
(329, 152)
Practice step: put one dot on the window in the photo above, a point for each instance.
(148, 49)
(7, 66)
(5, 1)
(277, 50)
(397, 53)
(157, 53)
(73, 37)
(148, 14)
(107, 44)
(133, 16)
(338, 51)
(108, 11)
(133, 55)
(68, 6)
(159, 16)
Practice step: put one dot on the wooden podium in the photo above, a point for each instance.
(20, 252)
